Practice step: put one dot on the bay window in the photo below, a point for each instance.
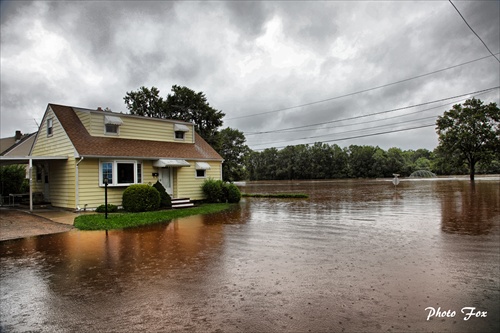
(120, 172)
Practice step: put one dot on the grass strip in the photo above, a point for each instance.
(129, 220)
(275, 195)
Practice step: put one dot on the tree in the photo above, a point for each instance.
(469, 133)
(12, 179)
(188, 105)
(234, 151)
(146, 102)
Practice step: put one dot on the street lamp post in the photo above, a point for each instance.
(105, 198)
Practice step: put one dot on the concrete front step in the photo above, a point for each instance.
(182, 203)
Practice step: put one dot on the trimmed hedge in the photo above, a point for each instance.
(218, 191)
(111, 208)
(140, 198)
(233, 193)
(165, 199)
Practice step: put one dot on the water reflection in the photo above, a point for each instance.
(469, 208)
(358, 255)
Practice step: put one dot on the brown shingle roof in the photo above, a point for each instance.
(87, 145)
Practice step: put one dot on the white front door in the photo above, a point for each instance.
(166, 180)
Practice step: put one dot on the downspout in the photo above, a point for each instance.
(77, 190)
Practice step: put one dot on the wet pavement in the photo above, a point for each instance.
(16, 223)
(357, 256)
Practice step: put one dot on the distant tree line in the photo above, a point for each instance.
(323, 161)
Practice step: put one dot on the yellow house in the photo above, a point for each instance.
(121, 149)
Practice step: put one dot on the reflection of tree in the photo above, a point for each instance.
(469, 208)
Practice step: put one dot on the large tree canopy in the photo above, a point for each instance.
(470, 133)
(233, 149)
(183, 104)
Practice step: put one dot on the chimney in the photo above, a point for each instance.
(18, 136)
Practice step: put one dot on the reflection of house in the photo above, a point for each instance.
(76, 149)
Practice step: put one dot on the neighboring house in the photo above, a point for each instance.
(84, 147)
(17, 145)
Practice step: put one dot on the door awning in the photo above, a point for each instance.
(112, 120)
(202, 166)
(162, 163)
(181, 128)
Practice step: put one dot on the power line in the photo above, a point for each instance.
(360, 91)
(372, 114)
(354, 130)
(463, 18)
(387, 118)
(361, 136)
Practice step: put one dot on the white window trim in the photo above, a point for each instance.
(114, 182)
(200, 177)
(112, 133)
(51, 122)
(183, 136)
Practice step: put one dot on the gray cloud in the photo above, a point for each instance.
(248, 57)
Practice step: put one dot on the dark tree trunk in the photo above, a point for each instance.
(472, 167)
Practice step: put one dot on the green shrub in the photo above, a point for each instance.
(213, 190)
(233, 193)
(219, 191)
(165, 199)
(111, 208)
(140, 198)
(12, 179)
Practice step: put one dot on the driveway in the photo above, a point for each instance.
(16, 224)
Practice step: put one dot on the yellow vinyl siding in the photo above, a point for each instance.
(62, 183)
(134, 127)
(58, 144)
(188, 186)
(61, 173)
(91, 195)
(85, 119)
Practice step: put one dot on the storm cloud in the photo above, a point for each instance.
(269, 66)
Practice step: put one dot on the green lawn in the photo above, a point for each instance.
(129, 220)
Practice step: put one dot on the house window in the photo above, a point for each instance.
(139, 172)
(107, 172)
(50, 128)
(179, 131)
(201, 169)
(112, 125)
(111, 129)
(120, 173)
(125, 173)
(179, 135)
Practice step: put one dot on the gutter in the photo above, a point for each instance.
(77, 189)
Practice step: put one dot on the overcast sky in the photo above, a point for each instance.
(267, 65)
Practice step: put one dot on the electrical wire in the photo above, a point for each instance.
(354, 130)
(360, 91)
(359, 136)
(463, 18)
(372, 114)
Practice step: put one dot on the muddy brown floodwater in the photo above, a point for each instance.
(357, 256)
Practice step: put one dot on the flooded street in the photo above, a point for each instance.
(357, 256)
